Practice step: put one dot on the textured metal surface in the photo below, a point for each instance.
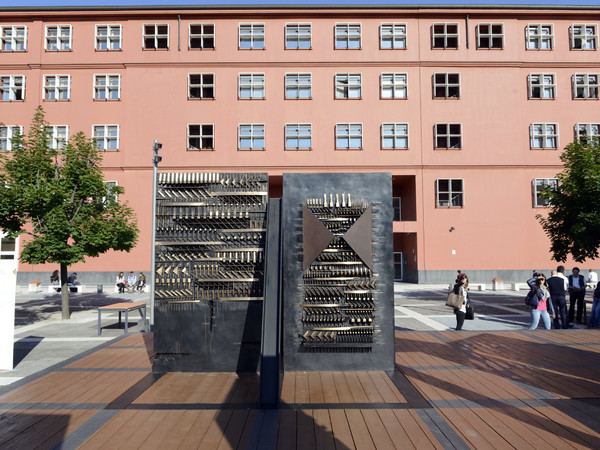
(210, 239)
(338, 277)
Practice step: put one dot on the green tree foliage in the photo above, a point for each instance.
(59, 198)
(573, 222)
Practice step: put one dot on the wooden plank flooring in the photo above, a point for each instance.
(479, 390)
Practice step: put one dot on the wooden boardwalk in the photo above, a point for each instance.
(450, 390)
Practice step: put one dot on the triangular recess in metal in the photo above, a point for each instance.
(360, 237)
(315, 237)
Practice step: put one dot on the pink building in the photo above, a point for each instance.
(467, 108)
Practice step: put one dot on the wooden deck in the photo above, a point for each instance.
(450, 390)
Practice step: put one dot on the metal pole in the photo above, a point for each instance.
(155, 160)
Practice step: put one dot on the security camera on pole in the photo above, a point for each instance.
(155, 160)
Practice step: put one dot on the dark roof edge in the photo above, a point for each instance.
(292, 6)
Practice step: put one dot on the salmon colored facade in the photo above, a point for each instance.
(491, 230)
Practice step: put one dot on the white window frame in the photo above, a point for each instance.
(6, 255)
(349, 136)
(251, 86)
(205, 38)
(11, 38)
(393, 86)
(348, 36)
(113, 42)
(156, 36)
(397, 133)
(492, 35)
(393, 36)
(543, 84)
(13, 88)
(254, 133)
(58, 135)
(539, 36)
(449, 135)
(201, 136)
(587, 87)
(202, 86)
(546, 134)
(111, 183)
(297, 135)
(299, 84)
(537, 186)
(7, 132)
(444, 37)
(62, 41)
(107, 88)
(57, 91)
(446, 83)
(348, 86)
(104, 140)
(298, 36)
(251, 36)
(581, 38)
(585, 131)
(454, 197)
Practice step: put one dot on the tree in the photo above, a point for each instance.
(60, 200)
(573, 222)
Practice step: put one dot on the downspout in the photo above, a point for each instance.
(178, 32)
(467, 29)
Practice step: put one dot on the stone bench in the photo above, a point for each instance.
(54, 288)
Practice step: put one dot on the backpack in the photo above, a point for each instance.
(531, 299)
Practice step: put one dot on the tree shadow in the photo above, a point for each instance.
(23, 347)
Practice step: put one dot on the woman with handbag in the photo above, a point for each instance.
(460, 287)
(541, 305)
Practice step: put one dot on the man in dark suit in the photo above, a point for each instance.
(577, 287)
(558, 286)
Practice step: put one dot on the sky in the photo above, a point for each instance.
(25, 3)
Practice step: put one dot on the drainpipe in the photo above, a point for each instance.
(178, 32)
(467, 27)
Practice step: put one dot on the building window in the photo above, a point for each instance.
(448, 135)
(394, 136)
(57, 87)
(585, 132)
(544, 135)
(298, 136)
(347, 36)
(108, 37)
(251, 136)
(252, 85)
(201, 137)
(59, 136)
(347, 85)
(540, 185)
(252, 36)
(298, 85)
(392, 36)
(585, 85)
(394, 85)
(444, 35)
(490, 35)
(59, 37)
(348, 136)
(541, 85)
(156, 36)
(446, 85)
(107, 87)
(584, 37)
(539, 36)
(298, 36)
(7, 132)
(202, 35)
(13, 38)
(110, 185)
(106, 137)
(12, 87)
(449, 193)
(201, 85)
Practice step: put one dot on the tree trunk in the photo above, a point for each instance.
(64, 291)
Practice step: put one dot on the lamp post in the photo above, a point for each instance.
(155, 160)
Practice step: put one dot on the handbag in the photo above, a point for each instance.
(454, 300)
(470, 315)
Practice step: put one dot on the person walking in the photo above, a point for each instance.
(577, 287)
(541, 303)
(461, 287)
(558, 285)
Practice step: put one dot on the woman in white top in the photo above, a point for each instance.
(121, 283)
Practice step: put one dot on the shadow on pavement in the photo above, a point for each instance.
(23, 347)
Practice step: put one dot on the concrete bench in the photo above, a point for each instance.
(518, 286)
(55, 288)
(145, 289)
(120, 308)
(477, 286)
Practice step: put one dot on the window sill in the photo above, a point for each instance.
(107, 50)
(200, 149)
(58, 51)
(251, 149)
(490, 48)
(201, 49)
(447, 98)
(297, 49)
(298, 149)
(448, 149)
(444, 48)
(196, 99)
(348, 149)
(298, 98)
(345, 98)
(393, 98)
(250, 49)
(155, 49)
(251, 98)
(102, 100)
(13, 51)
(56, 100)
(388, 149)
(391, 49)
(448, 207)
